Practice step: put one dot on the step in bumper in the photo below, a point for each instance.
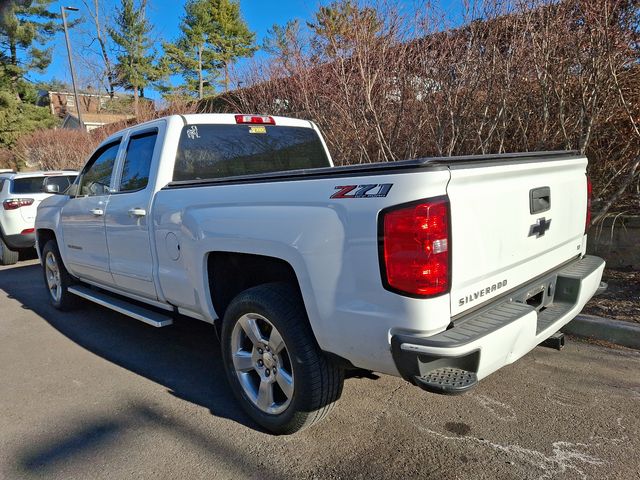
(500, 333)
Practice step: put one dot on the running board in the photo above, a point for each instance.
(150, 317)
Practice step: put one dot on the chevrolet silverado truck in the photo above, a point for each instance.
(438, 270)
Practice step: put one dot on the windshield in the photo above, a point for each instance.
(217, 151)
(35, 184)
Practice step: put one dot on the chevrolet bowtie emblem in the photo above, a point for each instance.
(540, 227)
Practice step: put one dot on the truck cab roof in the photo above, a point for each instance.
(211, 118)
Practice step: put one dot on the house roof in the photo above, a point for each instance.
(101, 118)
(83, 93)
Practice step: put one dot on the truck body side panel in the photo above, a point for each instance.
(332, 245)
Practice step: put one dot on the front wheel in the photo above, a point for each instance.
(56, 278)
(273, 363)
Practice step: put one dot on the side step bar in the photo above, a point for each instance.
(122, 306)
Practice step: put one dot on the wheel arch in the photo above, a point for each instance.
(43, 235)
(230, 273)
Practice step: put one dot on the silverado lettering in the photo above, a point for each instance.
(481, 293)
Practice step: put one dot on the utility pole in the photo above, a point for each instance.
(73, 73)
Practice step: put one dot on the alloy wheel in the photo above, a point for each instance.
(262, 363)
(54, 281)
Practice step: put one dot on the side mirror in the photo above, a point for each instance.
(51, 188)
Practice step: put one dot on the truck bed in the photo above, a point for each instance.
(383, 168)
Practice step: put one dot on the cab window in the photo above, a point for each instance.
(137, 162)
(96, 176)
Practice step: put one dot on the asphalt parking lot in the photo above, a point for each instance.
(93, 394)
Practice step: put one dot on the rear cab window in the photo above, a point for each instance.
(27, 185)
(208, 151)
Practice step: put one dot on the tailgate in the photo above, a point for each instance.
(503, 232)
(29, 212)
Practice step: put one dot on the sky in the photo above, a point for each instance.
(165, 16)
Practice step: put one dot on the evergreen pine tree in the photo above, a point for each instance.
(192, 55)
(230, 35)
(26, 26)
(340, 25)
(136, 62)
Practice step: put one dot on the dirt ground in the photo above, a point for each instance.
(621, 301)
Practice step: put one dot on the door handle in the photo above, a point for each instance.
(97, 212)
(137, 212)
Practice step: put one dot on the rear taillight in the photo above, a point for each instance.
(27, 231)
(15, 203)
(255, 119)
(587, 222)
(415, 248)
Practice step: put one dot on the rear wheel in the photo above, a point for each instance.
(273, 363)
(7, 256)
(56, 278)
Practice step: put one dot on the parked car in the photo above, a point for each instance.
(20, 195)
(439, 270)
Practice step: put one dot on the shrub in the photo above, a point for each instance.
(387, 84)
(7, 159)
(56, 149)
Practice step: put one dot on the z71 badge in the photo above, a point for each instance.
(362, 191)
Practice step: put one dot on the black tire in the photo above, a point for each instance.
(317, 381)
(7, 256)
(65, 300)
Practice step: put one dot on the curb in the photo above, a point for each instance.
(622, 333)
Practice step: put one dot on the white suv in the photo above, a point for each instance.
(20, 195)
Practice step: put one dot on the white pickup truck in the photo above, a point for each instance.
(440, 270)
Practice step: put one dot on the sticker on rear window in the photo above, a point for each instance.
(192, 132)
(258, 130)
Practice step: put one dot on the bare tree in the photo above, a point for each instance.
(107, 71)
(518, 75)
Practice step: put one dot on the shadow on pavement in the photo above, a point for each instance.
(184, 357)
(87, 440)
(86, 443)
(28, 254)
